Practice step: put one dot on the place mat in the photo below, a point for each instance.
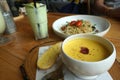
(32, 70)
(65, 74)
(30, 64)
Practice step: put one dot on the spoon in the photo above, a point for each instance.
(55, 75)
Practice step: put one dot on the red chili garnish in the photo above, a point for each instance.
(78, 23)
(84, 50)
(72, 23)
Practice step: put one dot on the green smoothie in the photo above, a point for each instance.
(38, 19)
(2, 23)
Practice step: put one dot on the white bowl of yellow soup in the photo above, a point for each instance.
(88, 56)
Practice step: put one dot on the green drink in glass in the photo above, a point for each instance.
(38, 19)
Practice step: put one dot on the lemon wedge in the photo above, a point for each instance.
(49, 57)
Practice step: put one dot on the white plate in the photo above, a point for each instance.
(102, 24)
(67, 74)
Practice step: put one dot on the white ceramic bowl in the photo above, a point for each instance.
(89, 70)
(102, 24)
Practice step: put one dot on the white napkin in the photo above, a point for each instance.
(67, 74)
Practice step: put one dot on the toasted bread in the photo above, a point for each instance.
(49, 57)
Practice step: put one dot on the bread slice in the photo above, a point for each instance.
(49, 57)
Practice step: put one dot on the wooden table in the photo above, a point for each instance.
(13, 54)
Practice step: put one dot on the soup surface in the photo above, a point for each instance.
(86, 50)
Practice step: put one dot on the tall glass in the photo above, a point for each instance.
(2, 28)
(2, 23)
(38, 19)
(10, 25)
(6, 23)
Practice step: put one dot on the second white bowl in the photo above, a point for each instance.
(85, 69)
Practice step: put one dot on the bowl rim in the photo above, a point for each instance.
(98, 33)
(108, 41)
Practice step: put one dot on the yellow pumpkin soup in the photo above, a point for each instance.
(85, 50)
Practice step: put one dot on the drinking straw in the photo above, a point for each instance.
(34, 3)
(37, 17)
